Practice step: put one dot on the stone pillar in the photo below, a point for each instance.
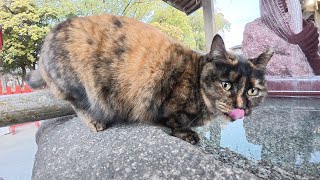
(317, 18)
(209, 21)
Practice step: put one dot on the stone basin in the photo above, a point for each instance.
(282, 133)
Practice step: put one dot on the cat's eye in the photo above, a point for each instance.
(253, 92)
(226, 85)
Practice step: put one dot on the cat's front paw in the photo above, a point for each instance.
(187, 135)
(96, 126)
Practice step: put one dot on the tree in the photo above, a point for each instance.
(138, 9)
(221, 22)
(174, 23)
(197, 24)
(188, 29)
(24, 27)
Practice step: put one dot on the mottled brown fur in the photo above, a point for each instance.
(115, 69)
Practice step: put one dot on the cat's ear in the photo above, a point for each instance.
(262, 60)
(218, 49)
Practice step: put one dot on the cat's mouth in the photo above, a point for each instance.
(230, 112)
(235, 114)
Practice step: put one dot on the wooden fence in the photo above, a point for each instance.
(16, 90)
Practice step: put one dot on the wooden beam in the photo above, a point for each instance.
(209, 21)
(193, 8)
(190, 3)
(28, 107)
(184, 3)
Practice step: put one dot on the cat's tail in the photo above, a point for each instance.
(34, 80)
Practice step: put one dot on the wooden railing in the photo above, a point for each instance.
(30, 107)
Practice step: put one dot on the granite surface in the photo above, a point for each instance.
(67, 149)
(281, 140)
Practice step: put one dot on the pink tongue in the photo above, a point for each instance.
(237, 114)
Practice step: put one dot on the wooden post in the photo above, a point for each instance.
(209, 21)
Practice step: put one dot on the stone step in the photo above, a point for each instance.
(294, 87)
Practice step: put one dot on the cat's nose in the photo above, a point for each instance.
(240, 102)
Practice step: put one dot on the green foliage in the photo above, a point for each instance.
(169, 29)
(197, 25)
(188, 29)
(174, 22)
(139, 9)
(221, 22)
(24, 26)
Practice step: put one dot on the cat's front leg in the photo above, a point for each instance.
(93, 124)
(180, 128)
(187, 135)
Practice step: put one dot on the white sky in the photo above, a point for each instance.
(238, 13)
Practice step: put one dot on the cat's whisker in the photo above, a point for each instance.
(193, 120)
(224, 108)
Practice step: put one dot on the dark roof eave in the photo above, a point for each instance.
(186, 6)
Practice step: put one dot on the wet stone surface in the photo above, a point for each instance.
(281, 139)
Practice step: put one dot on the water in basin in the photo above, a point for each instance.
(283, 131)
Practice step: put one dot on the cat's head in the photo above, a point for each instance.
(230, 83)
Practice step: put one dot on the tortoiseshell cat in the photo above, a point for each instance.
(114, 68)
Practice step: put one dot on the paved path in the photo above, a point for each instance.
(17, 153)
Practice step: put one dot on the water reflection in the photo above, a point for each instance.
(283, 131)
(233, 136)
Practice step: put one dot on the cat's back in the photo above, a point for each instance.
(111, 43)
(112, 36)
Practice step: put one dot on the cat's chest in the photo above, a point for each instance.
(182, 100)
